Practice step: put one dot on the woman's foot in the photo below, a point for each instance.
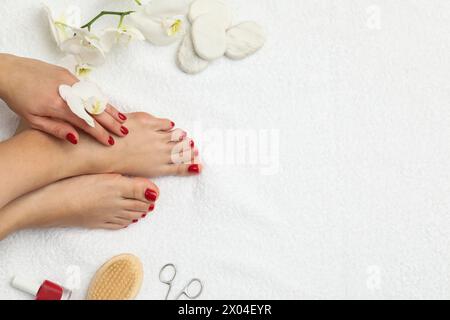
(151, 148)
(107, 201)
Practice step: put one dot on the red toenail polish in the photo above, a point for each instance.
(172, 124)
(124, 130)
(150, 195)
(111, 141)
(194, 168)
(122, 116)
(144, 215)
(71, 138)
(135, 220)
(151, 208)
(192, 143)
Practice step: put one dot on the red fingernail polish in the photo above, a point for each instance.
(144, 215)
(151, 208)
(71, 138)
(172, 124)
(192, 143)
(135, 220)
(150, 195)
(194, 168)
(124, 130)
(111, 141)
(122, 116)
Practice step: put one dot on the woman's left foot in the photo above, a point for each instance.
(104, 201)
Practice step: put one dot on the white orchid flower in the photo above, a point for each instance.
(84, 98)
(84, 45)
(122, 35)
(162, 22)
(61, 24)
(76, 66)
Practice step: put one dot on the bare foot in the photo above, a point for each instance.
(151, 148)
(107, 201)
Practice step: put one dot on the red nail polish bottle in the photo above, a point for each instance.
(45, 291)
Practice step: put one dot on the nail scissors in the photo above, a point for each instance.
(169, 280)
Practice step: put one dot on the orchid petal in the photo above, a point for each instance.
(75, 104)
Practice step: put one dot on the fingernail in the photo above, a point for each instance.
(194, 168)
(151, 208)
(124, 130)
(144, 215)
(150, 195)
(192, 143)
(71, 138)
(172, 124)
(122, 116)
(111, 141)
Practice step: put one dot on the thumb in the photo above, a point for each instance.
(56, 128)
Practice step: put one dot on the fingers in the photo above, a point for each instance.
(56, 128)
(111, 124)
(113, 112)
(97, 132)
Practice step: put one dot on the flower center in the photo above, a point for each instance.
(174, 28)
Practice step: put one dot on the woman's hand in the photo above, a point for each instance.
(31, 89)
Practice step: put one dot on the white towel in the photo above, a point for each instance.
(355, 202)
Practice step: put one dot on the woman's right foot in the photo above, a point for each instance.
(151, 148)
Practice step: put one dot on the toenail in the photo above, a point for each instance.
(151, 208)
(122, 116)
(71, 138)
(192, 143)
(111, 141)
(183, 135)
(172, 124)
(194, 168)
(150, 195)
(135, 220)
(124, 130)
(144, 215)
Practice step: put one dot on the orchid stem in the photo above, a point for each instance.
(122, 14)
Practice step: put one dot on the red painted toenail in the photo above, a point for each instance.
(71, 138)
(192, 143)
(122, 116)
(151, 208)
(150, 195)
(144, 215)
(111, 141)
(124, 130)
(135, 220)
(172, 124)
(194, 168)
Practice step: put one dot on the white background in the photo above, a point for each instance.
(359, 92)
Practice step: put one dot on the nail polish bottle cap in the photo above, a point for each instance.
(26, 285)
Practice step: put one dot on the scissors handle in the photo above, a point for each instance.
(185, 291)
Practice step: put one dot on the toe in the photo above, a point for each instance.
(163, 124)
(140, 189)
(177, 135)
(183, 169)
(186, 156)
